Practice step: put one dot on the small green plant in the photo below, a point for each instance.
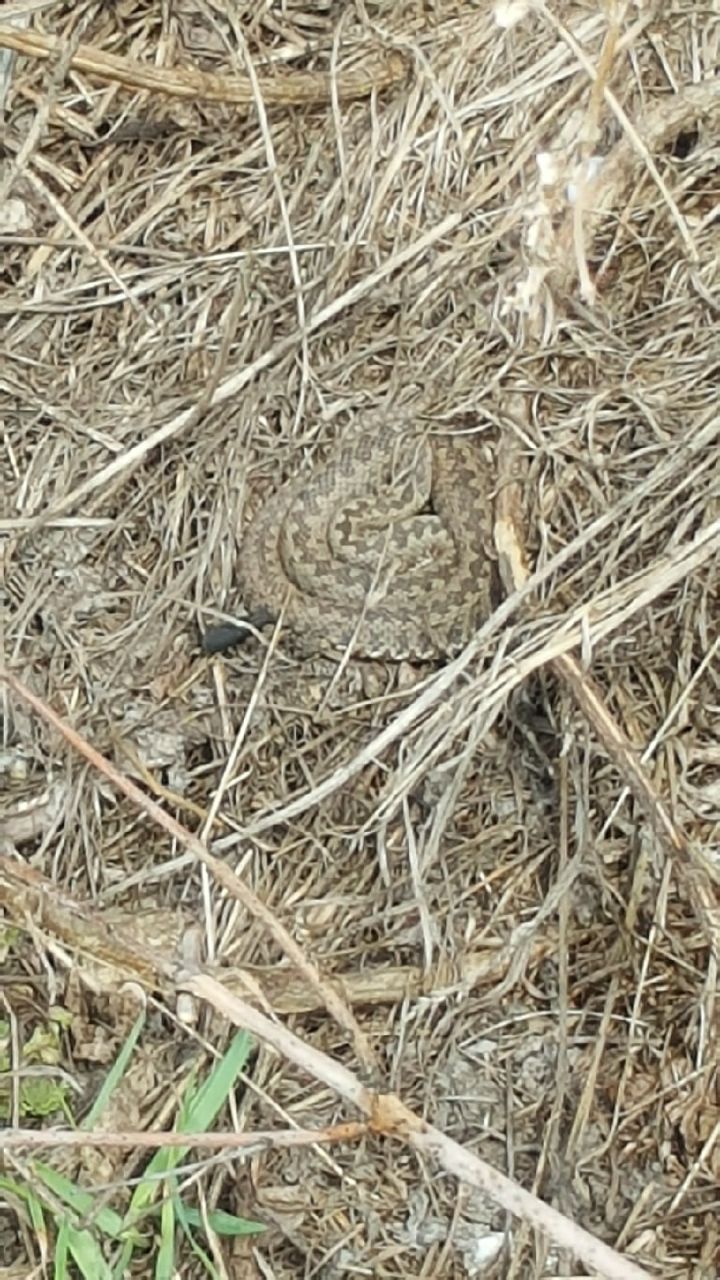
(41, 1089)
(98, 1243)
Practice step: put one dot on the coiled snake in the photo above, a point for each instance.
(384, 547)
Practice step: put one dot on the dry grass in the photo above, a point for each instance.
(507, 865)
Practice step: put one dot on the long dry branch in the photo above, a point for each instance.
(292, 88)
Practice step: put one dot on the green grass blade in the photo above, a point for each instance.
(87, 1254)
(116, 1073)
(224, 1224)
(62, 1249)
(198, 1112)
(200, 1108)
(81, 1202)
(165, 1261)
(183, 1216)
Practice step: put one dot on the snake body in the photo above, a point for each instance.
(383, 547)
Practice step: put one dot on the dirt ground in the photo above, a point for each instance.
(474, 904)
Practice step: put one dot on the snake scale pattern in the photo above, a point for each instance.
(383, 547)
